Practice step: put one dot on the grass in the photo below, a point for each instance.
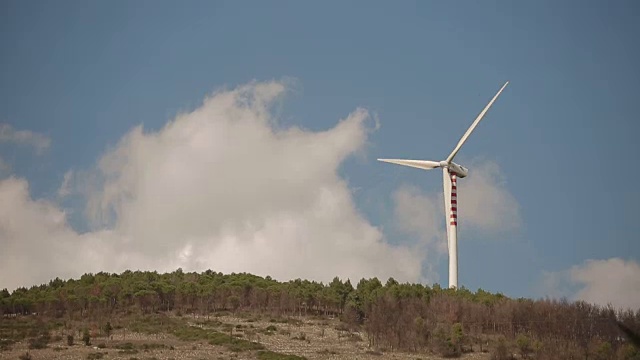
(233, 344)
(20, 328)
(155, 324)
(39, 342)
(240, 346)
(5, 344)
(210, 323)
(188, 333)
(270, 355)
(153, 346)
(37, 331)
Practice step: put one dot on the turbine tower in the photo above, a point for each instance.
(450, 173)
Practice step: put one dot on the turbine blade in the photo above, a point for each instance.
(473, 126)
(420, 164)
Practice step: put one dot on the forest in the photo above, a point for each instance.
(392, 316)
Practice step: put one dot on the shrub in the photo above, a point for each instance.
(501, 351)
(457, 337)
(628, 352)
(5, 344)
(524, 345)
(25, 356)
(86, 338)
(38, 343)
(107, 328)
(443, 344)
(70, 340)
(603, 351)
(151, 346)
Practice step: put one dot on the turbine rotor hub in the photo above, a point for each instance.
(444, 163)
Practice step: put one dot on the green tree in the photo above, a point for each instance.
(86, 337)
(457, 337)
(107, 329)
(524, 345)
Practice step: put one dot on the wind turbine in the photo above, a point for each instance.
(450, 172)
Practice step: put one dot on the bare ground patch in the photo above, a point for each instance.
(310, 338)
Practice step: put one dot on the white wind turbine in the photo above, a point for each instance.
(450, 171)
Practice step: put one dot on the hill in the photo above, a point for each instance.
(379, 318)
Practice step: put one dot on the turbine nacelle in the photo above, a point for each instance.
(459, 170)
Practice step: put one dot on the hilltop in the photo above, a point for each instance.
(195, 315)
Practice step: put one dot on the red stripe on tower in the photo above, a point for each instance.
(454, 200)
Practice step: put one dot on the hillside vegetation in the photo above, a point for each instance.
(391, 316)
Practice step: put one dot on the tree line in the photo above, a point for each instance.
(393, 315)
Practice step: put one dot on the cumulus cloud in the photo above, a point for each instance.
(484, 205)
(35, 239)
(65, 188)
(612, 281)
(24, 137)
(221, 187)
(421, 215)
(5, 168)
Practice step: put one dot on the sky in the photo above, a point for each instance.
(243, 137)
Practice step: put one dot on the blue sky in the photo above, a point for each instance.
(562, 133)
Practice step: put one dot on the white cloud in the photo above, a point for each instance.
(36, 242)
(612, 281)
(485, 204)
(5, 168)
(24, 137)
(421, 215)
(65, 188)
(222, 188)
